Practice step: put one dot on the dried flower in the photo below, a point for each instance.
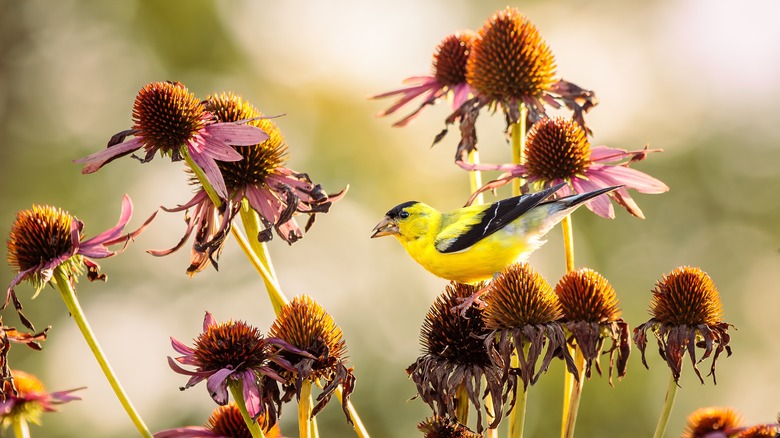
(712, 423)
(523, 313)
(26, 397)
(8, 335)
(170, 119)
(686, 313)
(448, 77)
(305, 325)
(44, 238)
(439, 427)
(457, 354)
(236, 353)
(225, 422)
(558, 151)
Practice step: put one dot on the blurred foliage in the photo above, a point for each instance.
(692, 78)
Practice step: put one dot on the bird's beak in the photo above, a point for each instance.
(385, 228)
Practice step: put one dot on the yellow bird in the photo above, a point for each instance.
(472, 244)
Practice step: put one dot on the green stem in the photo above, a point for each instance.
(663, 420)
(236, 391)
(462, 404)
(71, 302)
(21, 428)
(360, 429)
(201, 177)
(517, 417)
(475, 177)
(568, 388)
(491, 433)
(304, 410)
(576, 395)
(568, 242)
(518, 145)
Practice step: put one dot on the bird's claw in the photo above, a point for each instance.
(467, 303)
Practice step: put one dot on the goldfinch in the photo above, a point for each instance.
(472, 244)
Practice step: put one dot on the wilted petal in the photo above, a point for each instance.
(208, 321)
(186, 432)
(600, 204)
(124, 217)
(97, 160)
(180, 347)
(213, 174)
(631, 178)
(237, 133)
(251, 394)
(217, 386)
(219, 150)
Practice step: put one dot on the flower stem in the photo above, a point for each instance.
(235, 390)
(71, 302)
(517, 417)
(304, 410)
(568, 378)
(663, 420)
(568, 242)
(462, 404)
(21, 428)
(518, 145)
(576, 394)
(360, 429)
(204, 181)
(490, 433)
(475, 177)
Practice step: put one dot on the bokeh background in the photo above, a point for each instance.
(698, 79)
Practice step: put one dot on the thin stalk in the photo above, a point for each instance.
(574, 405)
(360, 429)
(490, 433)
(517, 416)
(663, 420)
(235, 390)
(518, 145)
(568, 242)
(568, 378)
(201, 177)
(462, 404)
(72, 303)
(21, 428)
(278, 300)
(568, 389)
(475, 177)
(304, 410)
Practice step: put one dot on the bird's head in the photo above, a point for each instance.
(406, 221)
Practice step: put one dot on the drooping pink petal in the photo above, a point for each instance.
(208, 322)
(600, 204)
(112, 233)
(216, 384)
(197, 376)
(515, 169)
(210, 168)
(187, 432)
(197, 199)
(237, 133)
(604, 154)
(219, 150)
(65, 396)
(263, 203)
(251, 393)
(15, 282)
(460, 94)
(433, 95)
(181, 347)
(623, 198)
(193, 221)
(97, 160)
(631, 178)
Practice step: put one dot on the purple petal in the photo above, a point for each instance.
(18, 279)
(197, 199)
(604, 154)
(210, 168)
(180, 347)
(251, 393)
(600, 204)
(208, 321)
(220, 150)
(197, 375)
(124, 217)
(187, 432)
(631, 178)
(264, 203)
(217, 386)
(237, 133)
(515, 169)
(65, 396)
(460, 94)
(97, 160)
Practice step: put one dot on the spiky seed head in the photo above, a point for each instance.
(233, 345)
(510, 60)
(585, 295)
(520, 296)
(686, 296)
(452, 54)
(557, 148)
(712, 419)
(227, 421)
(439, 427)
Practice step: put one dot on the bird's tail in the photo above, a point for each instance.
(572, 201)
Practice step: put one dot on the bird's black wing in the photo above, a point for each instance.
(497, 216)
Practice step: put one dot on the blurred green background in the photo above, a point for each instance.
(696, 78)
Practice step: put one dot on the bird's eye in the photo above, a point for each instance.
(403, 214)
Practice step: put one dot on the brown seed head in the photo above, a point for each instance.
(557, 148)
(707, 420)
(439, 427)
(686, 296)
(259, 160)
(510, 60)
(760, 431)
(448, 335)
(27, 383)
(230, 344)
(585, 295)
(167, 116)
(519, 296)
(452, 53)
(227, 421)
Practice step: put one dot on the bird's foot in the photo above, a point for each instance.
(466, 303)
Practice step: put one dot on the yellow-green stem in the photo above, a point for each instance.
(71, 302)
(490, 433)
(517, 416)
(475, 177)
(568, 242)
(360, 429)
(574, 405)
(568, 378)
(568, 388)
(236, 391)
(21, 428)
(201, 177)
(278, 300)
(518, 130)
(462, 404)
(304, 410)
(666, 411)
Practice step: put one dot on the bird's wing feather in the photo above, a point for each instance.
(464, 232)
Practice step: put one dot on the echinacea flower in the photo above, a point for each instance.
(448, 77)
(712, 422)
(522, 312)
(457, 356)
(511, 65)
(760, 431)
(592, 315)
(305, 325)
(439, 427)
(44, 238)
(558, 151)
(26, 397)
(235, 353)
(170, 119)
(275, 192)
(686, 314)
(8, 335)
(224, 422)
